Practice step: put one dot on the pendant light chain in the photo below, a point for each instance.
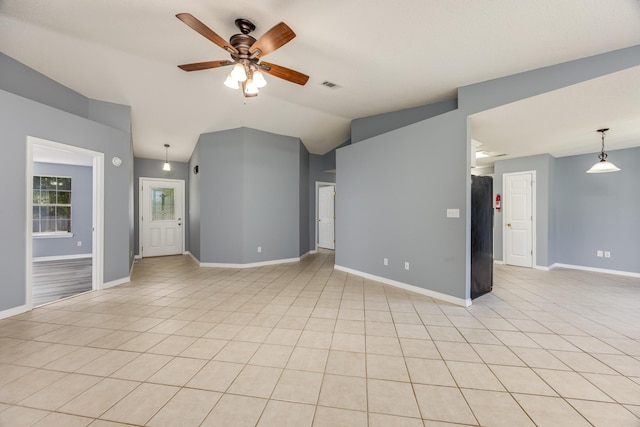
(603, 155)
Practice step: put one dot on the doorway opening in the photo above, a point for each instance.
(325, 215)
(519, 222)
(161, 217)
(65, 231)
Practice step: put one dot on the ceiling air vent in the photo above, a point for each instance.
(330, 85)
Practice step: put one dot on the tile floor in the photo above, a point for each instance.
(304, 345)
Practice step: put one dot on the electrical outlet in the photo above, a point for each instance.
(79, 243)
(385, 261)
(607, 254)
(406, 265)
(453, 213)
(599, 253)
(259, 249)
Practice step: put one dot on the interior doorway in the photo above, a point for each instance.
(325, 215)
(52, 216)
(161, 217)
(519, 218)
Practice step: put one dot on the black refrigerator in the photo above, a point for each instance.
(481, 235)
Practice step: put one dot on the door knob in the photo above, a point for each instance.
(509, 224)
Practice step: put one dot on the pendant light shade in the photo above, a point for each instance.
(251, 88)
(603, 165)
(167, 166)
(258, 79)
(232, 83)
(238, 73)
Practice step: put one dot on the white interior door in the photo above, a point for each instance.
(161, 217)
(326, 217)
(518, 219)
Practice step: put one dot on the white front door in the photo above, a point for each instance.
(161, 217)
(518, 219)
(326, 218)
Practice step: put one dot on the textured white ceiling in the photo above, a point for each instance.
(385, 55)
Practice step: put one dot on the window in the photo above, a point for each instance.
(51, 204)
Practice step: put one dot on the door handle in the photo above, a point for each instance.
(509, 224)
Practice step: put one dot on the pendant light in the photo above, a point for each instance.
(603, 165)
(166, 167)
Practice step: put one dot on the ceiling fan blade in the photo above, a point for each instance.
(196, 66)
(284, 73)
(273, 39)
(205, 31)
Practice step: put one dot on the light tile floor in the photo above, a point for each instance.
(304, 345)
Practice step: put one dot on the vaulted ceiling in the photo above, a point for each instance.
(383, 55)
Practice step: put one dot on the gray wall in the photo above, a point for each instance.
(81, 212)
(305, 201)
(367, 127)
(394, 188)
(271, 196)
(152, 168)
(542, 164)
(598, 212)
(221, 187)
(28, 83)
(33, 105)
(193, 191)
(391, 200)
(249, 195)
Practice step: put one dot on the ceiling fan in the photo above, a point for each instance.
(246, 54)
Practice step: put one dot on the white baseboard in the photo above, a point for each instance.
(303, 256)
(498, 261)
(407, 287)
(193, 257)
(594, 269)
(13, 311)
(249, 265)
(542, 267)
(137, 256)
(116, 282)
(61, 257)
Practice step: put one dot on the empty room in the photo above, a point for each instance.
(294, 213)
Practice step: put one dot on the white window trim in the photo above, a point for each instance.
(52, 235)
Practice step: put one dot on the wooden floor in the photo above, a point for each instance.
(53, 280)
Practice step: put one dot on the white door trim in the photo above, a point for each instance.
(140, 210)
(533, 214)
(318, 185)
(97, 257)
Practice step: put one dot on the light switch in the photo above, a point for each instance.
(453, 213)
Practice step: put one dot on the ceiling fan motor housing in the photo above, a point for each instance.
(242, 43)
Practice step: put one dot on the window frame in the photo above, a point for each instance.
(39, 204)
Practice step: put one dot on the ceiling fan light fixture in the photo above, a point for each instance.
(232, 83)
(239, 73)
(251, 88)
(603, 166)
(258, 79)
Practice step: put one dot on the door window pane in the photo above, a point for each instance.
(162, 204)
